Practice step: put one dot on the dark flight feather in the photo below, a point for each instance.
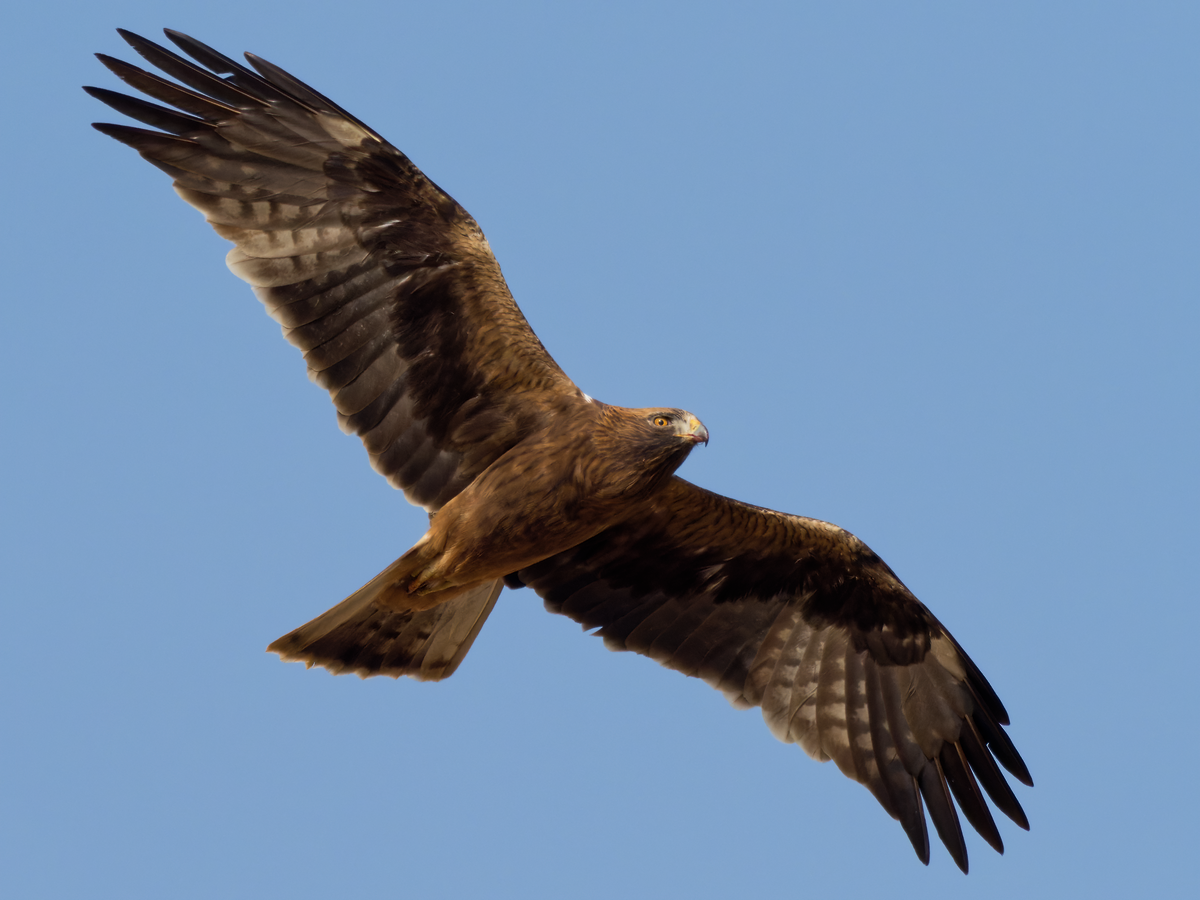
(816, 630)
(390, 290)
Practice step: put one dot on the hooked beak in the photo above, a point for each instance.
(696, 432)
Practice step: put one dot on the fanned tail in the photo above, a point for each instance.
(370, 633)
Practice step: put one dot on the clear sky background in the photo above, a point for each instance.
(925, 270)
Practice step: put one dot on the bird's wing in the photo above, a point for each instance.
(383, 281)
(801, 618)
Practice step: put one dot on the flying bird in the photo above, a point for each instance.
(390, 290)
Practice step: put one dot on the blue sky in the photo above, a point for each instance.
(926, 270)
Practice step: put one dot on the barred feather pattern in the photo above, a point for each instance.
(366, 637)
(800, 618)
(379, 277)
(391, 292)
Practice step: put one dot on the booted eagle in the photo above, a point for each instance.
(390, 290)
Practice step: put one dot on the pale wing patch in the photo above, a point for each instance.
(276, 243)
(344, 131)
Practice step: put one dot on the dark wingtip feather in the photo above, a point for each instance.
(919, 834)
(143, 140)
(123, 70)
(1003, 749)
(224, 90)
(299, 91)
(119, 67)
(990, 776)
(135, 40)
(126, 134)
(912, 820)
(941, 809)
(966, 791)
(152, 114)
(202, 53)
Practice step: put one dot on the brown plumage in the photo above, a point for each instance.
(391, 291)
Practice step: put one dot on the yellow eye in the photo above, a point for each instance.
(662, 421)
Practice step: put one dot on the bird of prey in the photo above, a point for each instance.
(391, 292)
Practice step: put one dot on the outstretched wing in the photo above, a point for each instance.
(801, 618)
(383, 281)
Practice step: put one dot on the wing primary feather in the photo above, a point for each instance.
(966, 792)
(989, 775)
(941, 809)
(147, 113)
(901, 787)
(907, 747)
(923, 852)
(141, 138)
(984, 693)
(167, 91)
(244, 78)
(306, 94)
(1002, 748)
(188, 73)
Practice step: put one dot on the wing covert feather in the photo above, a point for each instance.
(379, 277)
(390, 290)
(802, 619)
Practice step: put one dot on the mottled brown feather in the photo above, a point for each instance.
(389, 289)
(384, 282)
(818, 631)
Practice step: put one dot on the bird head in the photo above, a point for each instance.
(678, 423)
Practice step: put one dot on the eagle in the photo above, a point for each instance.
(390, 290)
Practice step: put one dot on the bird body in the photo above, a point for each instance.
(587, 468)
(391, 292)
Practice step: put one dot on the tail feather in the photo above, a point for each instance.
(367, 635)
